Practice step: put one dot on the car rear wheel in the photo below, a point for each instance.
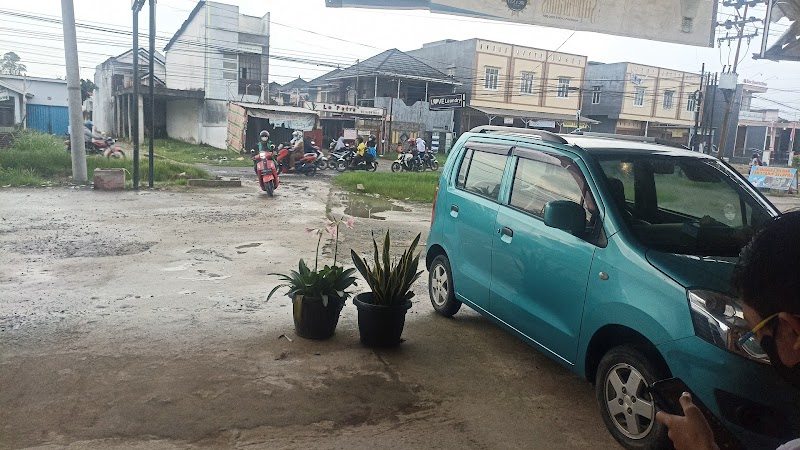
(623, 378)
(440, 287)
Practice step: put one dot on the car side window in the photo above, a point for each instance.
(549, 178)
(481, 173)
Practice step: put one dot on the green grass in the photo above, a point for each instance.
(37, 159)
(184, 152)
(417, 187)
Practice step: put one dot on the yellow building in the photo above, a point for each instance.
(507, 84)
(636, 99)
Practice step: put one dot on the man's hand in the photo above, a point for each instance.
(690, 431)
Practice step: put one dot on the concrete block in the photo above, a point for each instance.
(109, 179)
(214, 183)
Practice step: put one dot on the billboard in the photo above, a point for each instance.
(451, 101)
(690, 22)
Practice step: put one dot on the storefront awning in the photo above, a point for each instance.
(530, 115)
(283, 116)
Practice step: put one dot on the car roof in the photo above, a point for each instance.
(591, 143)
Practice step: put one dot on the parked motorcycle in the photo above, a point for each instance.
(266, 170)
(322, 161)
(105, 147)
(343, 163)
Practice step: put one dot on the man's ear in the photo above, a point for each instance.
(793, 323)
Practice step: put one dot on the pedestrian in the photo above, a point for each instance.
(754, 161)
(766, 280)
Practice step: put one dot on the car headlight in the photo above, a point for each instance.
(718, 319)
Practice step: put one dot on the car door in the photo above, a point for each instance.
(539, 273)
(472, 205)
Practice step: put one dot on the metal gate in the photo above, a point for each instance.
(48, 119)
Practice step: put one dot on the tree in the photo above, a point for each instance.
(87, 86)
(10, 65)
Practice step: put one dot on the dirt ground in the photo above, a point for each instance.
(140, 320)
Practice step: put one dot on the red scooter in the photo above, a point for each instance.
(266, 171)
(106, 147)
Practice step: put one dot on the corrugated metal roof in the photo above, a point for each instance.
(395, 63)
(277, 108)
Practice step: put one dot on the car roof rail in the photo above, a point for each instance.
(536, 134)
(627, 137)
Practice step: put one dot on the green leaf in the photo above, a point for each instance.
(325, 300)
(272, 292)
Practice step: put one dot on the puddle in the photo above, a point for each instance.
(365, 206)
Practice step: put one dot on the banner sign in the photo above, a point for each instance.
(451, 101)
(690, 22)
(780, 178)
(345, 109)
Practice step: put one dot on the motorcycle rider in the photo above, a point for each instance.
(361, 149)
(372, 151)
(421, 149)
(298, 143)
(264, 144)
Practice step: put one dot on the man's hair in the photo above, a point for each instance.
(767, 277)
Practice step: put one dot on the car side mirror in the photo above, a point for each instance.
(565, 215)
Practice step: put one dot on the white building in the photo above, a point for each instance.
(219, 55)
(114, 81)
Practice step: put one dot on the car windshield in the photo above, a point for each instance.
(683, 205)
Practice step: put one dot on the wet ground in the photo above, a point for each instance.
(139, 320)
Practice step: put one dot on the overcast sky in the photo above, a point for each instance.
(361, 33)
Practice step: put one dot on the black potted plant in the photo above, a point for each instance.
(318, 296)
(382, 312)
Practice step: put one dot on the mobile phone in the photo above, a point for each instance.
(666, 395)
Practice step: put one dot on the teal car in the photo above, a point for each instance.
(613, 256)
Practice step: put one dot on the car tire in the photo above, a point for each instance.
(440, 287)
(623, 377)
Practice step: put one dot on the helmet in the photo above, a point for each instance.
(264, 135)
(297, 134)
(88, 124)
(411, 140)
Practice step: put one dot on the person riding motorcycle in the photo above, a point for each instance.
(421, 149)
(361, 149)
(264, 144)
(372, 151)
(298, 147)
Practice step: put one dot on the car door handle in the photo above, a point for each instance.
(454, 208)
(506, 231)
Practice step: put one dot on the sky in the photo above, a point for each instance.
(308, 30)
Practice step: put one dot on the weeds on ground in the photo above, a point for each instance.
(37, 158)
(184, 152)
(413, 186)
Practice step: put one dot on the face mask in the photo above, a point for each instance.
(790, 374)
(263, 139)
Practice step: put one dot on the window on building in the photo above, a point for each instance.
(563, 87)
(526, 83)
(492, 77)
(668, 99)
(230, 66)
(638, 97)
(691, 104)
(250, 74)
(451, 72)
(596, 91)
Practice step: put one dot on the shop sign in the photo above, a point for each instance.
(779, 178)
(451, 101)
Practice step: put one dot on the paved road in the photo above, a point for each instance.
(139, 320)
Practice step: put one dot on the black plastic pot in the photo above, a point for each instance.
(380, 326)
(313, 320)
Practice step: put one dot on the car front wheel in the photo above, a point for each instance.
(629, 412)
(440, 287)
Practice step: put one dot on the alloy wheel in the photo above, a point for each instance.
(627, 401)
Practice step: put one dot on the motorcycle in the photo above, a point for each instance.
(266, 170)
(322, 161)
(344, 163)
(306, 165)
(335, 156)
(405, 162)
(105, 147)
(429, 161)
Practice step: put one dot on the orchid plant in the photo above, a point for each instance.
(330, 281)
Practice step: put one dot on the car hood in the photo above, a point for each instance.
(706, 272)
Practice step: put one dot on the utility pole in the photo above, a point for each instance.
(151, 81)
(79, 171)
(740, 25)
(711, 119)
(698, 97)
(136, 6)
